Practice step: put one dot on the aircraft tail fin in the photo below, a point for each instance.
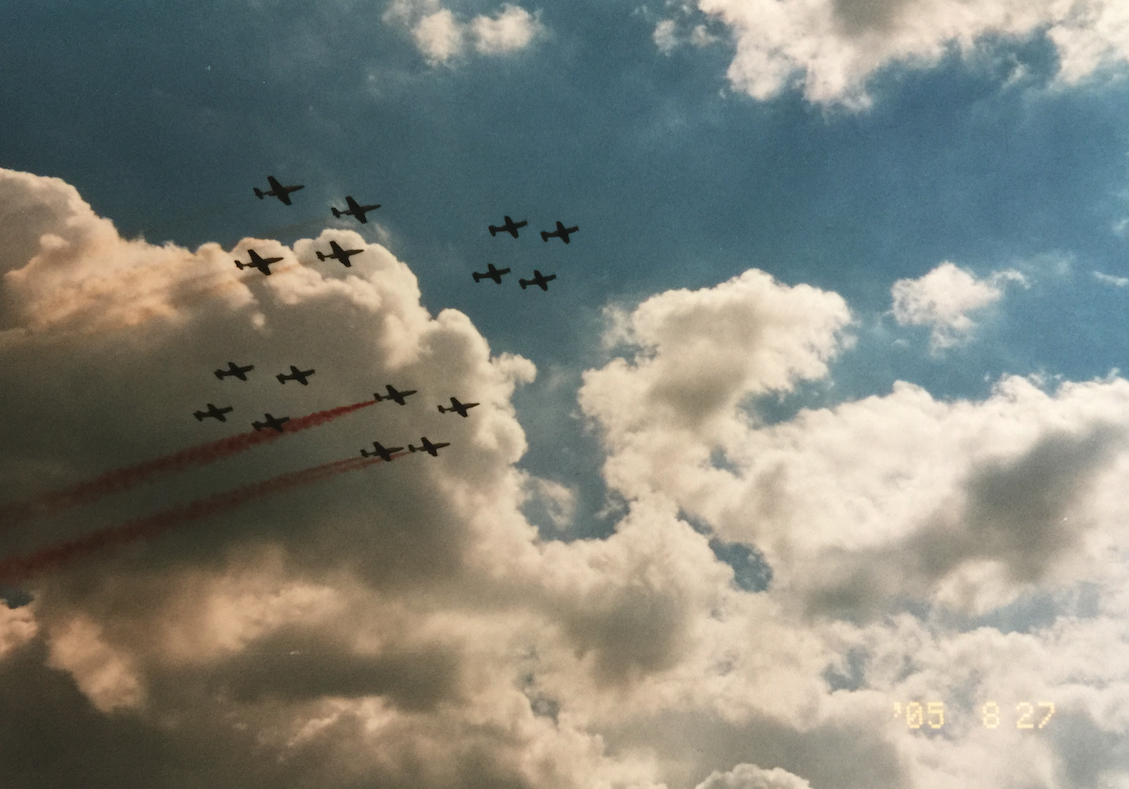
(493, 230)
(258, 193)
(477, 276)
(544, 235)
(443, 410)
(281, 378)
(320, 256)
(199, 416)
(336, 213)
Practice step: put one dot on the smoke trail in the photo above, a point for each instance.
(132, 476)
(18, 569)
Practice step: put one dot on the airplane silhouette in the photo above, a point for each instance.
(561, 232)
(457, 407)
(493, 273)
(277, 190)
(510, 227)
(295, 375)
(262, 264)
(354, 210)
(538, 280)
(236, 370)
(215, 413)
(428, 447)
(394, 395)
(271, 422)
(339, 254)
(378, 450)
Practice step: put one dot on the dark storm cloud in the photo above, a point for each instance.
(630, 633)
(299, 666)
(1017, 512)
(863, 16)
(52, 736)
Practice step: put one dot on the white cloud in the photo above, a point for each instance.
(833, 47)
(438, 36)
(963, 508)
(748, 776)
(442, 37)
(703, 352)
(17, 627)
(942, 300)
(666, 36)
(81, 275)
(1107, 279)
(105, 674)
(510, 30)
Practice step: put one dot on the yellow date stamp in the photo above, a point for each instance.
(931, 714)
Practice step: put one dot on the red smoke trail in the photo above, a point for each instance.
(18, 569)
(132, 476)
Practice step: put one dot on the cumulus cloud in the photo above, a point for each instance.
(832, 47)
(891, 502)
(703, 352)
(510, 30)
(438, 36)
(405, 624)
(943, 299)
(749, 776)
(441, 36)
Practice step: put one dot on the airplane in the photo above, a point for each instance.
(14, 597)
(456, 406)
(295, 375)
(216, 413)
(339, 254)
(262, 264)
(236, 370)
(428, 447)
(561, 232)
(378, 450)
(538, 280)
(271, 422)
(277, 190)
(510, 227)
(354, 210)
(493, 273)
(394, 395)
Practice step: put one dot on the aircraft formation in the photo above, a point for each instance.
(14, 597)
(510, 226)
(336, 252)
(353, 209)
(360, 213)
(271, 422)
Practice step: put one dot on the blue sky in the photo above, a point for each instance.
(937, 197)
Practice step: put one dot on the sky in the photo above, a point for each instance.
(806, 471)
